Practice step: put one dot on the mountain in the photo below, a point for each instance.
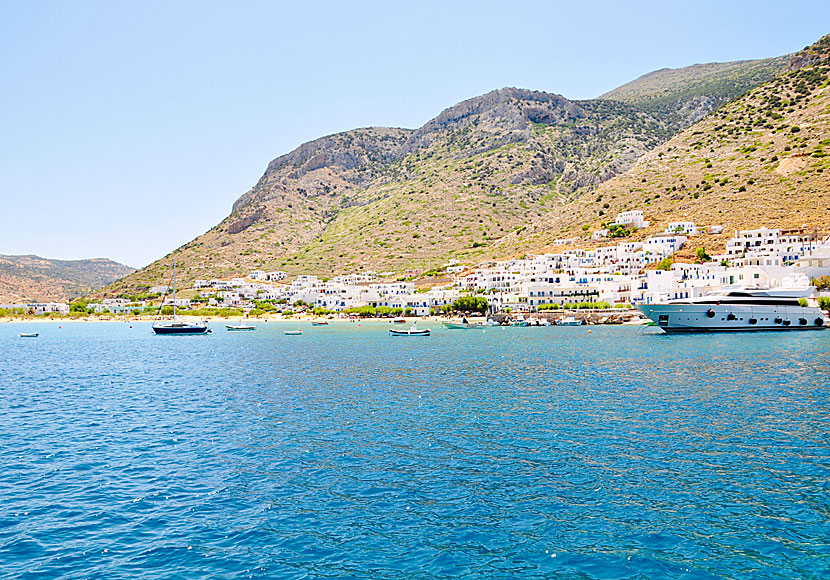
(508, 171)
(386, 199)
(760, 160)
(683, 96)
(36, 279)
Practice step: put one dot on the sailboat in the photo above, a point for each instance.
(175, 326)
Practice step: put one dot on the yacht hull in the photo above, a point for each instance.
(189, 329)
(683, 318)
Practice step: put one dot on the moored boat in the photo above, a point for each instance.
(297, 332)
(463, 325)
(240, 326)
(28, 335)
(569, 321)
(735, 309)
(175, 326)
(411, 331)
(319, 323)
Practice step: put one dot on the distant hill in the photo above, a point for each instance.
(507, 172)
(36, 279)
(683, 96)
(761, 160)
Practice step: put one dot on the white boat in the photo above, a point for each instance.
(569, 321)
(464, 325)
(28, 335)
(519, 321)
(297, 332)
(175, 326)
(319, 323)
(411, 331)
(240, 326)
(738, 309)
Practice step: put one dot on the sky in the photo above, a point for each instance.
(129, 128)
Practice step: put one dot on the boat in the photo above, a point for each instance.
(28, 335)
(569, 321)
(464, 325)
(738, 309)
(240, 326)
(175, 326)
(411, 331)
(297, 332)
(519, 321)
(319, 323)
(399, 320)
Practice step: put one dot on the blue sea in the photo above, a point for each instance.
(345, 453)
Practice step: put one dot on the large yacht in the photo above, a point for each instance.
(737, 308)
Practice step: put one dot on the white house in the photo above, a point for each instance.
(632, 218)
(685, 228)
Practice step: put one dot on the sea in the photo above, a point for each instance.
(602, 452)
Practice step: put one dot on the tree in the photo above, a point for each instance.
(617, 231)
(702, 256)
(665, 264)
(471, 304)
(822, 283)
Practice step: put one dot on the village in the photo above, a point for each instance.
(617, 276)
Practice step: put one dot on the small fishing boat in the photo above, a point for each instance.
(319, 323)
(399, 320)
(297, 332)
(28, 335)
(569, 321)
(240, 326)
(463, 325)
(411, 331)
(519, 321)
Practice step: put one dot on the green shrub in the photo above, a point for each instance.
(824, 302)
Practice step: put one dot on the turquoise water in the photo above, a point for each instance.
(344, 453)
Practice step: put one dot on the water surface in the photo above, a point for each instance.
(344, 453)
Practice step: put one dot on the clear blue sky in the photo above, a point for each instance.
(129, 128)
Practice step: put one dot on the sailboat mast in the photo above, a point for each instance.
(174, 287)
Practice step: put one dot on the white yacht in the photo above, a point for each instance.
(738, 308)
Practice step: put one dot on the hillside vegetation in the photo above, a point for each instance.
(508, 172)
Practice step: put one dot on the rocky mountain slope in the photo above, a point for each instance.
(386, 199)
(507, 172)
(761, 160)
(36, 279)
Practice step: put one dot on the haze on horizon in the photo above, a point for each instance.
(129, 130)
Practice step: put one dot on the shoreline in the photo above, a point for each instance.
(610, 317)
